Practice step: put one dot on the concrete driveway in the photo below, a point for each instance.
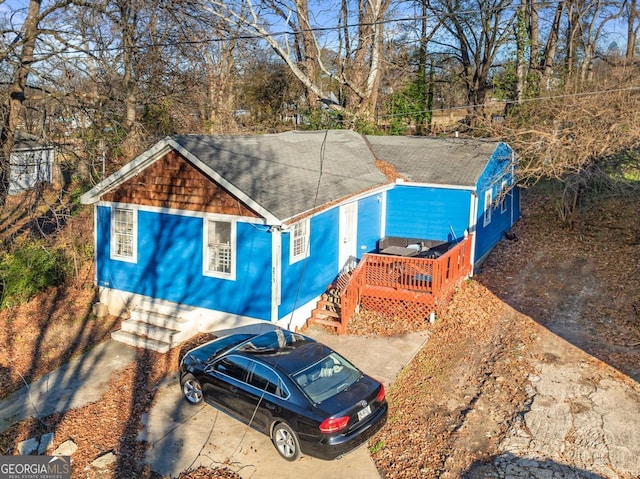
(183, 436)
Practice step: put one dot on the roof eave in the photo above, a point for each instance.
(127, 171)
(449, 186)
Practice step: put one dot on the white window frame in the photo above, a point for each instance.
(114, 253)
(503, 196)
(488, 206)
(300, 235)
(206, 256)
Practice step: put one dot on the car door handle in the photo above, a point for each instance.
(233, 389)
(271, 406)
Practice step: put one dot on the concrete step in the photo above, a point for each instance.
(158, 325)
(159, 319)
(140, 341)
(149, 330)
(165, 308)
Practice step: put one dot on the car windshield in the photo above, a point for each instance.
(327, 377)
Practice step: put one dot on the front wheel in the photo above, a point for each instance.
(192, 389)
(286, 442)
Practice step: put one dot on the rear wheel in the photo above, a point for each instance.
(192, 389)
(286, 442)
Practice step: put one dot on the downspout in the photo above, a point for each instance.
(95, 244)
(473, 222)
(513, 168)
(383, 214)
(276, 271)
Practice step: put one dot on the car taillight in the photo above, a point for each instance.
(381, 394)
(334, 424)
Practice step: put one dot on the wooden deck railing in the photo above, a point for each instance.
(401, 279)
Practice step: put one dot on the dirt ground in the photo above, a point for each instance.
(453, 404)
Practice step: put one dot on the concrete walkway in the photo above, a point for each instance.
(80, 381)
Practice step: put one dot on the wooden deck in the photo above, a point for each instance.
(408, 288)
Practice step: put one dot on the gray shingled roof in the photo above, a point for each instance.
(448, 161)
(281, 171)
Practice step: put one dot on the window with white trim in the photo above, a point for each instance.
(503, 197)
(124, 232)
(488, 199)
(220, 248)
(300, 240)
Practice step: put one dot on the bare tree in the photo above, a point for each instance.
(302, 49)
(476, 31)
(633, 25)
(18, 58)
(579, 140)
(548, 55)
(586, 22)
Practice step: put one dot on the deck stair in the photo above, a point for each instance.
(157, 326)
(327, 311)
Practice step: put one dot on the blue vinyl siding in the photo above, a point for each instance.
(497, 171)
(427, 213)
(304, 280)
(369, 221)
(169, 265)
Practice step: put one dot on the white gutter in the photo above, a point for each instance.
(378, 190)
(436, 185)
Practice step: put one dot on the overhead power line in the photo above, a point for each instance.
(301, 31)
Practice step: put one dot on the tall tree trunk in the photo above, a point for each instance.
(520, 47)
(424, 117)
(9, 127)
(365, 66)
(532, 19)
(309, 66)
(573, 27)
(550, 47)
(632, 30)
(128, 20)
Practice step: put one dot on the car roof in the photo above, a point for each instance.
(285, 350)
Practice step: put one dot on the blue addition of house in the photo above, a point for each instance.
(213, 232)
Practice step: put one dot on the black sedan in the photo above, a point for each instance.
(306, 397)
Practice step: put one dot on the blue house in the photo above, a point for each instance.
(203, 232)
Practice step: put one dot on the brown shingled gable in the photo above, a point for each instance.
(173, 182)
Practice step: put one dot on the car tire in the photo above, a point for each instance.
(286, 442)
(191, 389)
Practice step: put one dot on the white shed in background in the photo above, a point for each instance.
(31, 163)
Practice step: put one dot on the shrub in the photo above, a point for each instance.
(29, 270)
